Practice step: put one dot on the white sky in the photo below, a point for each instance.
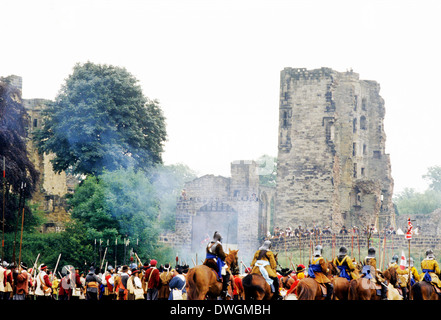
(215, 65)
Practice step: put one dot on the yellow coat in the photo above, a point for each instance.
(431, 264)
(403, 275)
(348, 262)
(321, 277)
(271, 268)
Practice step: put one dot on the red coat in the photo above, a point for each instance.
(238, 286)
(154, 279)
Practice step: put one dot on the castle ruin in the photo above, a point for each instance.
(332, 167)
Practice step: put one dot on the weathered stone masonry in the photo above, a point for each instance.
(332, 167)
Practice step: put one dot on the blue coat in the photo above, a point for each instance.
(176, 283)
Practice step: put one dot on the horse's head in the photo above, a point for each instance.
(232, 260)
(332, 268)
(391, 275)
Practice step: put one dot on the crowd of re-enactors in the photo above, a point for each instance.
(128, 282)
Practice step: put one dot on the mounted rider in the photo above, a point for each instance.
(369, 271)
(215, 259)
(319, 270)
(403, 275)
(430, 269)
(344, 264)
(264, 263)
(414, 276)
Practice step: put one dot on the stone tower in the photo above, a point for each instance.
(332, 167)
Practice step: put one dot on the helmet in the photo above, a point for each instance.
(394, 258)
(217, 236)
(266, 245)
(318, 251)
(371, 252)
(110, 268)
(429, 254)
(343, 251)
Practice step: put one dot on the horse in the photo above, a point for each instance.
(423, 290)
(309, 289)
(363, 289)
(202, 280)
(256, 287)
(341, 284)
(391, 275)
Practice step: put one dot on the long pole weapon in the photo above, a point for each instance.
(21, 235)
(104, 258)
(3, 203)
(56, 266)
(20, 200)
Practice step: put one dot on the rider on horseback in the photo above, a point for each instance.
(318, 270)
(430, 269)
(344, 263)
(402, 275)
(369, 271)
(215, 259)
(265, 264)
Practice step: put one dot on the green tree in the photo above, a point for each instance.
(411, 202)
(100, 120)
(119, 204)
(434, 176)
(19, 171)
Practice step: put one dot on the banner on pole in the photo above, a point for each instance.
(409, 229)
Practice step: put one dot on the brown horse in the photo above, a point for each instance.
(202, 280)
(309, 289)
(256, 288)
(363, 289)
(341, 284)
(423, 290)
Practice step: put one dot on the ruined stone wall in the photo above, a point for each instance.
(332, 168)
(53, 187)
(231, 206)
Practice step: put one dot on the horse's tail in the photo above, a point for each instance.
(415, 292)
(305, 292)
(193, 289)
(250, 288)
(352, 292)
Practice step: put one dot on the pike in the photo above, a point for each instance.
(104, 257)
(3, 204)
(56, 266)
(139, 260)
(20, 200)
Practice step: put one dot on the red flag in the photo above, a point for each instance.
(403, 261)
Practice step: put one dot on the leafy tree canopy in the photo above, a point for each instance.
(100, 120)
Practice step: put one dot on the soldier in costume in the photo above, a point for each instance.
(403, 275)
(264, 263)
(21, 279)
(92, 285)
(165, 278)
(3, 268)
(43, 288)
(369, 271)
(344, 263)
(319, 270)
(430, 269)
(151, 277)
(215, 259)
(109, 290)
(122, 285)
(414, 276)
